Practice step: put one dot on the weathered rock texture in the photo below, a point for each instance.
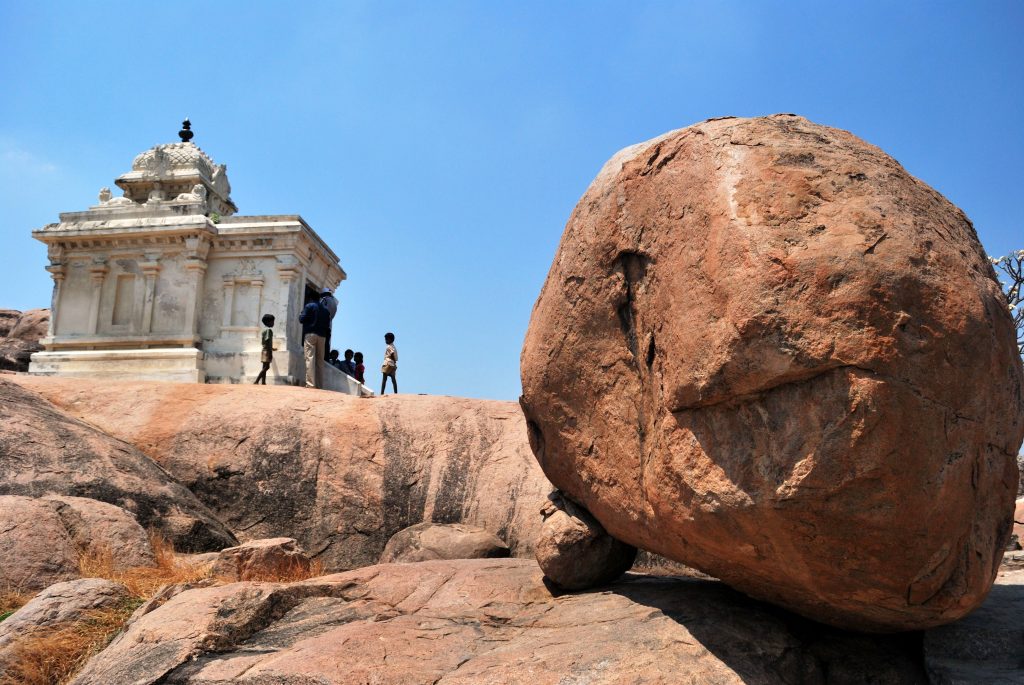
(42, 538)
(486, 621)
(20, 333)
(766, 350)
(58, 604)
(339, 474)
(43, 451)
(274, 558)
(574, 551)
(431, 541)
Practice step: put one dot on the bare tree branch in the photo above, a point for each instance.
(1011, 273)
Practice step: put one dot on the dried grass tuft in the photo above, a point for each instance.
(142, 581)
(13, 598)
(52, 656)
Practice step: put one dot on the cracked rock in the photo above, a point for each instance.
(768, 352)
(574, 551)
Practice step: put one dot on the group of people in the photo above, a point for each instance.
(316, 319)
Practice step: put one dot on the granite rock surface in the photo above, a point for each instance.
(767, 351)
(20, 333)
(44, 451)
(487, 622)
(430, 541)
(340, 474)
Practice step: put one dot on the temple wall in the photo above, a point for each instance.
(73, 315)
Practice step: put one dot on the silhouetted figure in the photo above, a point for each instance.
(267, 348)
(390, 366)
(347, 366)
(316, 323)
(359, 368)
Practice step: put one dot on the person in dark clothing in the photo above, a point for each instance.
(331, 304)
(267, 348)
(347, 366)
(316, 323)
(359, 368)
(332, 359)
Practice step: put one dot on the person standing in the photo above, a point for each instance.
(348, 367)
(390, 366)
(359, 368)
(316, 323)
(330, 303)
(267, 348)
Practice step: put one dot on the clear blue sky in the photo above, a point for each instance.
(439, 147)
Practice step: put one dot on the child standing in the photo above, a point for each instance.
(390, 366)
(267, 351)
(359, 368)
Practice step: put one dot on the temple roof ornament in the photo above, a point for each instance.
(171, 171)
(186, 131)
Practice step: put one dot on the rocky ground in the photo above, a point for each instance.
(448, 621)
(20, 333)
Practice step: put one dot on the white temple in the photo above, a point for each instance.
(167, 283)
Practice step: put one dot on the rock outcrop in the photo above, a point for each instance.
(574, 551)
(20, 333)
(431, 541)
(273, 558)
(767, 351)
(486, 621)
(339, 474)
(43, 451)
(44, 537)
(59, 604)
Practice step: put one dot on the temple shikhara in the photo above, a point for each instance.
(167, 282)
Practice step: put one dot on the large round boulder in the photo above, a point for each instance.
(767, 351)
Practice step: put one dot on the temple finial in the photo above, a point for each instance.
(186, 131)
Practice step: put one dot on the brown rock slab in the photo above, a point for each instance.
(486, 621)
(44, 537)
(430, 541)
(767, 351)
(20, 333)
(60, 603)
(47, 452)
(339, 474)
(38, 550)
(574, 551)
(986, 646)
(94, 524)
(272, 558)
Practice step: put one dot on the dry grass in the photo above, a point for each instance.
(13, 598)
(54, 655)
(51, 656)
(142, 581)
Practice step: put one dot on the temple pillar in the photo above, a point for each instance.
(98, 272)
(57, 272)
(150, 269)
(197, 275)
(229, 298)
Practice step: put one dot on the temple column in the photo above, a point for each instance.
(229, 298)
(197, 276)
(57, 272)
(196, 249)
(150, 269)
(98, 271)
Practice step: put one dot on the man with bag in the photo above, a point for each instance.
(316, 324)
